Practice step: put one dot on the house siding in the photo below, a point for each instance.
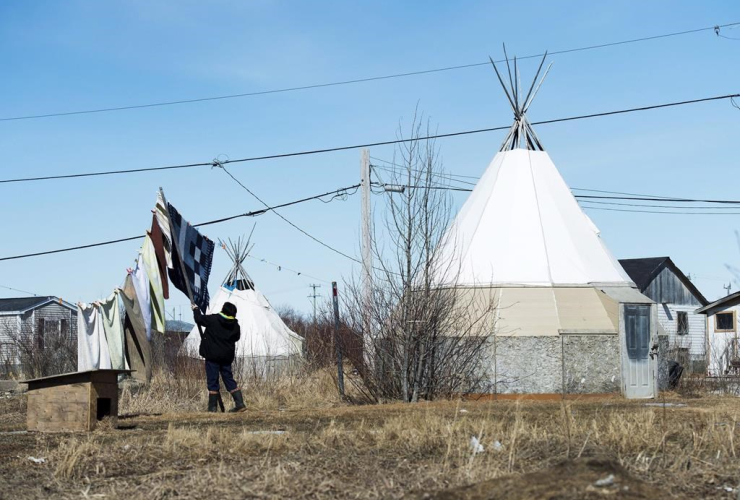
(667, 288)
(27, 324)
(695, 341)
(673, 296)
(52, 314)
(719, 342)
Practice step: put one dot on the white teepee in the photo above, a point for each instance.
(263, 333)
(521, 225)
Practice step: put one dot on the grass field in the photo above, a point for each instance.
(299, 441)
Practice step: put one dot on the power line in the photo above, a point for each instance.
(586, 198)
(659, 212)
(435, 174)
(216, 221)
(360, 80)
(644, 198)
(326, 245)
(445, 174)
(19, 290)
(650, 197)
(372, 144)
(280, 267)
(618, 192)
(659, 206)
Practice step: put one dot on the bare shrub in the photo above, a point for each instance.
(47, 348)
(423, 336)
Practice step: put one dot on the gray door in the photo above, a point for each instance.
(638, 367)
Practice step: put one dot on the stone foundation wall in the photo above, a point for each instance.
(541, 365)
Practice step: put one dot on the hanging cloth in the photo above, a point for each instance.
(149, 258)
(141, 286)
(162, 255)
(92, 347)
(191, 275)
(162, 215)
(138, 349)
(110, 311)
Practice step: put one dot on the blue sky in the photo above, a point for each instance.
(62, 56)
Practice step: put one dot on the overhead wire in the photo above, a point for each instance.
(587, 199)
(371, 144)
(216, 221)
(281, 267)
(715, 28)
(303, 231)
(658, 212)
(19, 290)
(732, 207)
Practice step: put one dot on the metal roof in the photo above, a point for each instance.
(20, 305)
(644, 271)
(727, 301)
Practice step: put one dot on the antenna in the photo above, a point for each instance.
(727, 287)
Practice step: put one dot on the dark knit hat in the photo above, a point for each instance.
(229, 309)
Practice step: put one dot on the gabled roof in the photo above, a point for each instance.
(21, 305)
(644, 271)
(727, 301)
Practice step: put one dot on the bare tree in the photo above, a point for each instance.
(427, 334)
(28, 352)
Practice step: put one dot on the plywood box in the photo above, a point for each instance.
(72, 401)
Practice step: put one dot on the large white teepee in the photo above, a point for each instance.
(521, 225)
(263, 333)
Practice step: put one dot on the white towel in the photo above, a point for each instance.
(141, 285)
(110, 311)
(92, 347)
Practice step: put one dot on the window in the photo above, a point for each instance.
(40, 325)
(682, 323)
(724, 322)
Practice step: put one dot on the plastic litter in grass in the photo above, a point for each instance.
(607, 481)
(37, 460)
(476, 445)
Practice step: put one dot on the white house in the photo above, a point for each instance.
(722, 335)
(677, 298)
(31, 325)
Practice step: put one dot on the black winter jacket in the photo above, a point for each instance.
(218, 342)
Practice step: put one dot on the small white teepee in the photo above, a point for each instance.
(263, 333)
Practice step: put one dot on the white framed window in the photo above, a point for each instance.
(682, 323)
(724, 322)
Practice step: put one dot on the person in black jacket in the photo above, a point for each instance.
(218, 346)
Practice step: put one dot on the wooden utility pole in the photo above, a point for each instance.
(367, 257)
(337, 342)
(313, 296)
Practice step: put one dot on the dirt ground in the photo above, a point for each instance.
(609, 448)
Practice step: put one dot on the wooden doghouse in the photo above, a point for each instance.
(72, 401)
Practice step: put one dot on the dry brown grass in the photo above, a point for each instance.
(186, 392)
(298, 440)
